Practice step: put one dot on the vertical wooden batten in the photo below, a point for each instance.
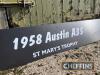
(3, 19)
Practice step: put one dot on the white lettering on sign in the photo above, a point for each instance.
(51, 50)
(36, 54)
(64, 46)
(25, 41)
(49, 37)
(77, 31)
(54, 37)
(16, 43)
(54, 49)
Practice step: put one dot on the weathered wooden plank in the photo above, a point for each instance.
(86, 8)
(89, 9)
(53, 11)
(33, 14)
(66, 9)
(57, 11)
(97, 7)
(82, 7)
(47, 11)
(23, 16)
(78, 9)
(3, 19)
(89, 6)
(75, 8)
(39, 10)
(20, 16)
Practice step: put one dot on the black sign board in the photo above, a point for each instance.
(19, 46)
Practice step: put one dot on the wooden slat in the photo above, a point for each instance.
(97, 6)
(39, 11)
(33, 15)
(66, 10)
(57, 11)
(47, 11)
(78, 9)
(3, 19)
(89, 5)
(75, 8)
(82, 8)
(89, 9)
